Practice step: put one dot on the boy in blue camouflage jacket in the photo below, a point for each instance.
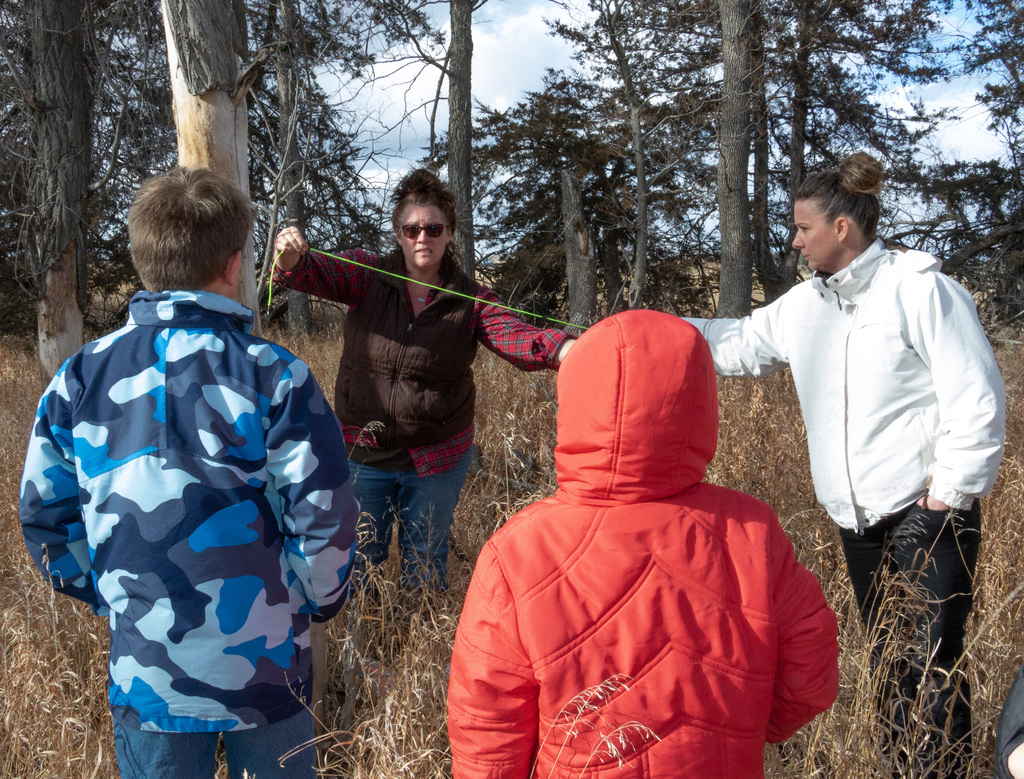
(188, 480)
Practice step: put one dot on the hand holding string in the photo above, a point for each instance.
(290, 246)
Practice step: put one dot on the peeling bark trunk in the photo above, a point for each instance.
(580, 271)
(62, 110)
(58, 316)
(204, 42)
(460, 127)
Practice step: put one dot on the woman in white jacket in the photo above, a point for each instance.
(905, 414)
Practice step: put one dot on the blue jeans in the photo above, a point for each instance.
(142, 754)
(426, 508)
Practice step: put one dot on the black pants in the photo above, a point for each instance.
(917, 621)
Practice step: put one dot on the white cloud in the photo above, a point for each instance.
(965, 135)
(511, 54)
(512, 49)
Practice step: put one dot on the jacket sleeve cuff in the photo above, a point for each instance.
(330, 610)
(284, 277)
(723, 351)
(951, 496)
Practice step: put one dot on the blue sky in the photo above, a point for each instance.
(512, 50)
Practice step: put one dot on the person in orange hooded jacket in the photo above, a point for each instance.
(639, 619)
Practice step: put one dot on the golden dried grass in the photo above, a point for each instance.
(385, 713)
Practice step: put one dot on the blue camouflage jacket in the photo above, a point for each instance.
(189, 480)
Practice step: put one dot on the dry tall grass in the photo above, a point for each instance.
(54, 716)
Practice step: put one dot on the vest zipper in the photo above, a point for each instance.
(392, 401)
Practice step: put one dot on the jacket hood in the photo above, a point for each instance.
(637, 410)
(194, 309)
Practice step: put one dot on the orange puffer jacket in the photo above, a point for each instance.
(639, 623)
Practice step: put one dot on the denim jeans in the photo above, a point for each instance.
(142, 754)
(933, 554)
(424, 507)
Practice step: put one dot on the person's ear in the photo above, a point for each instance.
(233, 271)
(841, 227)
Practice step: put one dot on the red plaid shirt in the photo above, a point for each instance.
(527, 347)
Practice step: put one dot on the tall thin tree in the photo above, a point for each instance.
(292, 165)
(611, 19)
(734, 159)
(460, 126)
(61, 103)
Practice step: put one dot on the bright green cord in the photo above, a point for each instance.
(424, 284)
(270, 281)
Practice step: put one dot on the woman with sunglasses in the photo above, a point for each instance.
(405, 392)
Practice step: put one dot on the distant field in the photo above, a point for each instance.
(53, 711)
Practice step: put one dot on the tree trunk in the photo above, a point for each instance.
(801, 108)
(62, 109)
(763, 264)
(769, 274)
(611, 257)
(460, 127)
(611, 17)
(637, 288)
(734, 144)
(299, 317)
(204, 43)
(580, 271)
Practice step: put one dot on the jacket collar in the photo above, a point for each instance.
(189, 308)
(854, 277)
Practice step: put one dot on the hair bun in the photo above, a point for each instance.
(861, 174)
(419, 183)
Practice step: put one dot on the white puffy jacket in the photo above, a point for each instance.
(898, 387)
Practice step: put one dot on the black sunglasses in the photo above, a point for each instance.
(413, 231)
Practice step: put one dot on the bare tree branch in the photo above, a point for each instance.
(17, 75)
(982, 244)
(102, 182)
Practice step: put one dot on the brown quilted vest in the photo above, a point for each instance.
(412, 377)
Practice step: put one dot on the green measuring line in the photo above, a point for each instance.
(270, 288)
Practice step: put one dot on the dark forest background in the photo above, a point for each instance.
(656, 172)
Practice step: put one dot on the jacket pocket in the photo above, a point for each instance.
(878, 346)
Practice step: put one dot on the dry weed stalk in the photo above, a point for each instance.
(570, 719)
(583, 713)
(622, 743)
(54, 714)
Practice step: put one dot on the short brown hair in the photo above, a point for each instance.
(184, 225)
(849, 190)
(421, 187)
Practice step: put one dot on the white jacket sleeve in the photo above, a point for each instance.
(752, 346)
(944, 330)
